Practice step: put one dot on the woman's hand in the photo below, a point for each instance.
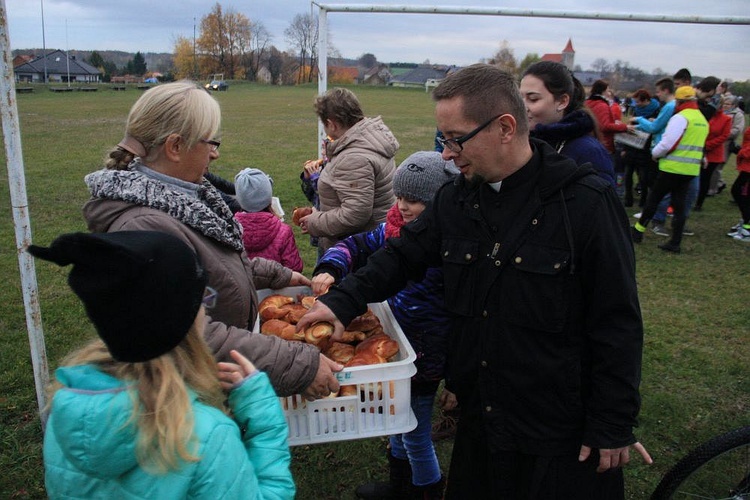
(321, 282)
(303, 220)
(299, 279)
(303, 224)
(231, 374)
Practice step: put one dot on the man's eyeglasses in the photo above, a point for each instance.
(209, 297)
(214, 144)
(456, 144)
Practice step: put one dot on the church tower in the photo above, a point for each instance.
(568, 55)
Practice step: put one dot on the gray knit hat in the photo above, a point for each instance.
(254, 189)
(421, 174)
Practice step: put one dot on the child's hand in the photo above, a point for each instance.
(311, 167)
(321, 282)
(233, 373)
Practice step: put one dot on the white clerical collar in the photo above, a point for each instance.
(495, 185)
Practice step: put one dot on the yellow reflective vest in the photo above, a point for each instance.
(685, 158)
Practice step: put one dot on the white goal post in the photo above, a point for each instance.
(324, 9)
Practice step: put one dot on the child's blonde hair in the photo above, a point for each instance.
(162, 409)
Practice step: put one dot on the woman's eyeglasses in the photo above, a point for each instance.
(209, 297)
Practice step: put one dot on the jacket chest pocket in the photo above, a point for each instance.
(460, 274)
(535, 289)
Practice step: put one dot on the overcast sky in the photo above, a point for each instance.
(153, 25)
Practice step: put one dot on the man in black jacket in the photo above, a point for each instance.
(545, 355)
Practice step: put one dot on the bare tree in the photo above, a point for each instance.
(600, 65)
(260, 45)
(302, 36)
(504, 58)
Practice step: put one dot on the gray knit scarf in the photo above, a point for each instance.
(207, 214)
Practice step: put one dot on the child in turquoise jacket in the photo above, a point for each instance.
(139, 412)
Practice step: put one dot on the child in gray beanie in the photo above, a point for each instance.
(264, 234)
(419, 310)
(421, 174)
(254, 189)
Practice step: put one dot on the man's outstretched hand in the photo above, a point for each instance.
(321, 312)
(617, 457)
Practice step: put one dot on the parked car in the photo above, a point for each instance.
(217, 83)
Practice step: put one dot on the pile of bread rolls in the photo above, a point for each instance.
(364, 341)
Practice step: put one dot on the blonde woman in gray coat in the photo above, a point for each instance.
(153, 180)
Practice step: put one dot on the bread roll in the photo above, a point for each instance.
(281, 329)
(347, 390)
(353, 337)
(270, 307)
(381, 345)
(365, 358)
(340, 352)
(365, 322)
(294, 312)
(300, 212)
(307, 301)
(319, 332)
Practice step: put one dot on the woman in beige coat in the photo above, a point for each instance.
(355, 187)
(153, 180)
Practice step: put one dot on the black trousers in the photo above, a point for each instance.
(639, 162)
(677, 186)
(741, 194)
(706, 173)
(476, 473)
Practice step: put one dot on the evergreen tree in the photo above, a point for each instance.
(139, 64)
(96, 60)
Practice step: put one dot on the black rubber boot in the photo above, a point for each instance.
(670, 247)
(397, 487)
(434, 491)
(637, 235)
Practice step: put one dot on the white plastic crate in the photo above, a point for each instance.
(382, 405)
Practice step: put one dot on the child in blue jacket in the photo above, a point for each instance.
(420, 313)
(139, 412)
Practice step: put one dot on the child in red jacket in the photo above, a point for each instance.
(741, 191)
(263, 232)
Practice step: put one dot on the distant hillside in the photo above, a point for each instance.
(161, 61)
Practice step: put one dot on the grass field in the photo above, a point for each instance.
(695, 305)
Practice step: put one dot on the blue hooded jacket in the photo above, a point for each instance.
(573, 136)
(90, 444)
